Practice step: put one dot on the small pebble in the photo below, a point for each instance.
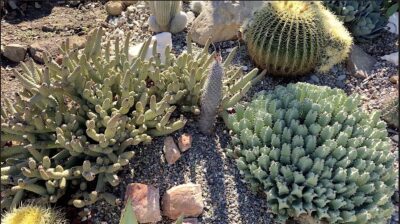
(315, 78)
(245, 68)
(395, 138)
(341, 77)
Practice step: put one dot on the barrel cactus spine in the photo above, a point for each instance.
(295, 38)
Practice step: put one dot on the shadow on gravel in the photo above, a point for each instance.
(26, 11)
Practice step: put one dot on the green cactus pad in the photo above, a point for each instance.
(315, 155)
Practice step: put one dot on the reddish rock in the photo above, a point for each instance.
(171, 151)
(184, 199)
(185, 142)
(59, 59)
(145, 202)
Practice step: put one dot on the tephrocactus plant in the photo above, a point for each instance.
(293, 37)
(315, 154)
(166, 16)
(73, 123)
(390, 111)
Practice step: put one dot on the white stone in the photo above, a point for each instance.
(393, 57)
(393, 23)
(163, 40)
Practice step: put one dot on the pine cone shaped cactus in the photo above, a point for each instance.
(315, 154)
(290, 38)
(211, 96)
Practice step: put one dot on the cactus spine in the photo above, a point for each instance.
(166, 16)
(289, 38)
(211, 96)
(32, 214)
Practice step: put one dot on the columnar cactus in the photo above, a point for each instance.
(315, 154)
(211, 97)
(73, 124)
(292, 38)
(166, 16)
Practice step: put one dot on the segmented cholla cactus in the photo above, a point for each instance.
(315, 154)
(390, 110)
(211, 97)
(166, 16)
(293, 37)
(33, 214)
(74, 123)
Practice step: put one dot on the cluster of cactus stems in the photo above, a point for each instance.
(315, 154)
(73, 123)
(166, 16)
(292, 38)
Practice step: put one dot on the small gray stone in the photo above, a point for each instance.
(359, 63)
(395, 138)
(15, 52)
(341, 77)
(315, 78)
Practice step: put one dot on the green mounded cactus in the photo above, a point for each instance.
(73, 123)
(390, 111)
(292, 38)
(315, 154)
(364, 19)
(211, 97)
(166, 16)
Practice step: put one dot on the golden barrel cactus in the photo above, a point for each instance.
(294, 37)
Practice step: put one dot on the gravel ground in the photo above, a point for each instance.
(227, 198)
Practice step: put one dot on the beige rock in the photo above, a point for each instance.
(221, 20)
(185, 142)
(171, 151)
(114, 8)
(359, 63)
(394, 79)
(15, 52)
(184, 199)
(145, 202)
(190, 221)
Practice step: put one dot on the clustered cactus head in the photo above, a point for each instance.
(294, 37)
(73, 124)
(33, 214)
(315, 154)
(363, 18)
(166, 16)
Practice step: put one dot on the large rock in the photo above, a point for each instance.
(145, 202)
(359, 63)
(114, 8)
(185, 199)
(163, 40)
(171, 151)
(221, 20)
(14, 52)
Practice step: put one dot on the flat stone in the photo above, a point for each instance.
(359, 63)
(341, 77)
(393, 58)
(145, 202)
(14, 52)
(315, 78)
(185, 199)
(185, 142)
(171, 150)
(395, 138)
